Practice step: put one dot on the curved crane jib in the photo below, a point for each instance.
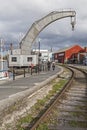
(38, 26)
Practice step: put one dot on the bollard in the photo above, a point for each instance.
(28, 69)
(24, 72)
(13, 74)
(31, 70)
(36, 69)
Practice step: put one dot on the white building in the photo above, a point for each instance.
(45, 55)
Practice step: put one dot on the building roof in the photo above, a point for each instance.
(45, 51)
(65, 49)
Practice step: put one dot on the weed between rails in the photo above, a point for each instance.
(41, 103)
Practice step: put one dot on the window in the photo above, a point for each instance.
(29, 59)
(14, 59)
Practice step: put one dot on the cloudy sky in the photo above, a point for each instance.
(17, 16)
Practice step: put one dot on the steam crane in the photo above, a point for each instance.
(23, 56)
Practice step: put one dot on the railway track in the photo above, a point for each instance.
(69, 110)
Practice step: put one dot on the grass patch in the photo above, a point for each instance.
(41, 103)
(43, 126)
(23, 120)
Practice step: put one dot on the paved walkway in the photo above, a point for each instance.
(20, 84)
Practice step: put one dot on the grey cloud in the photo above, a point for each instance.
(17, 16)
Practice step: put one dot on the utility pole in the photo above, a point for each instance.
(1, 46)
(39, 55)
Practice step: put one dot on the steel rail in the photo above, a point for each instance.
(34, 124)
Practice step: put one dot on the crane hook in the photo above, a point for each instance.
(73, 22)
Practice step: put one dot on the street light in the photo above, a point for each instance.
(1, 46)
(39, 54)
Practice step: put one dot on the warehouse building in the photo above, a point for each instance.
(69, 54)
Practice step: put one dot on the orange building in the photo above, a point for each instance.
(68, 55)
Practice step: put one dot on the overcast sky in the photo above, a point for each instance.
(17, 16)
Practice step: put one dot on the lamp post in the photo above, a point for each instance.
(38, 54)
(39, 48)
(1, 46)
